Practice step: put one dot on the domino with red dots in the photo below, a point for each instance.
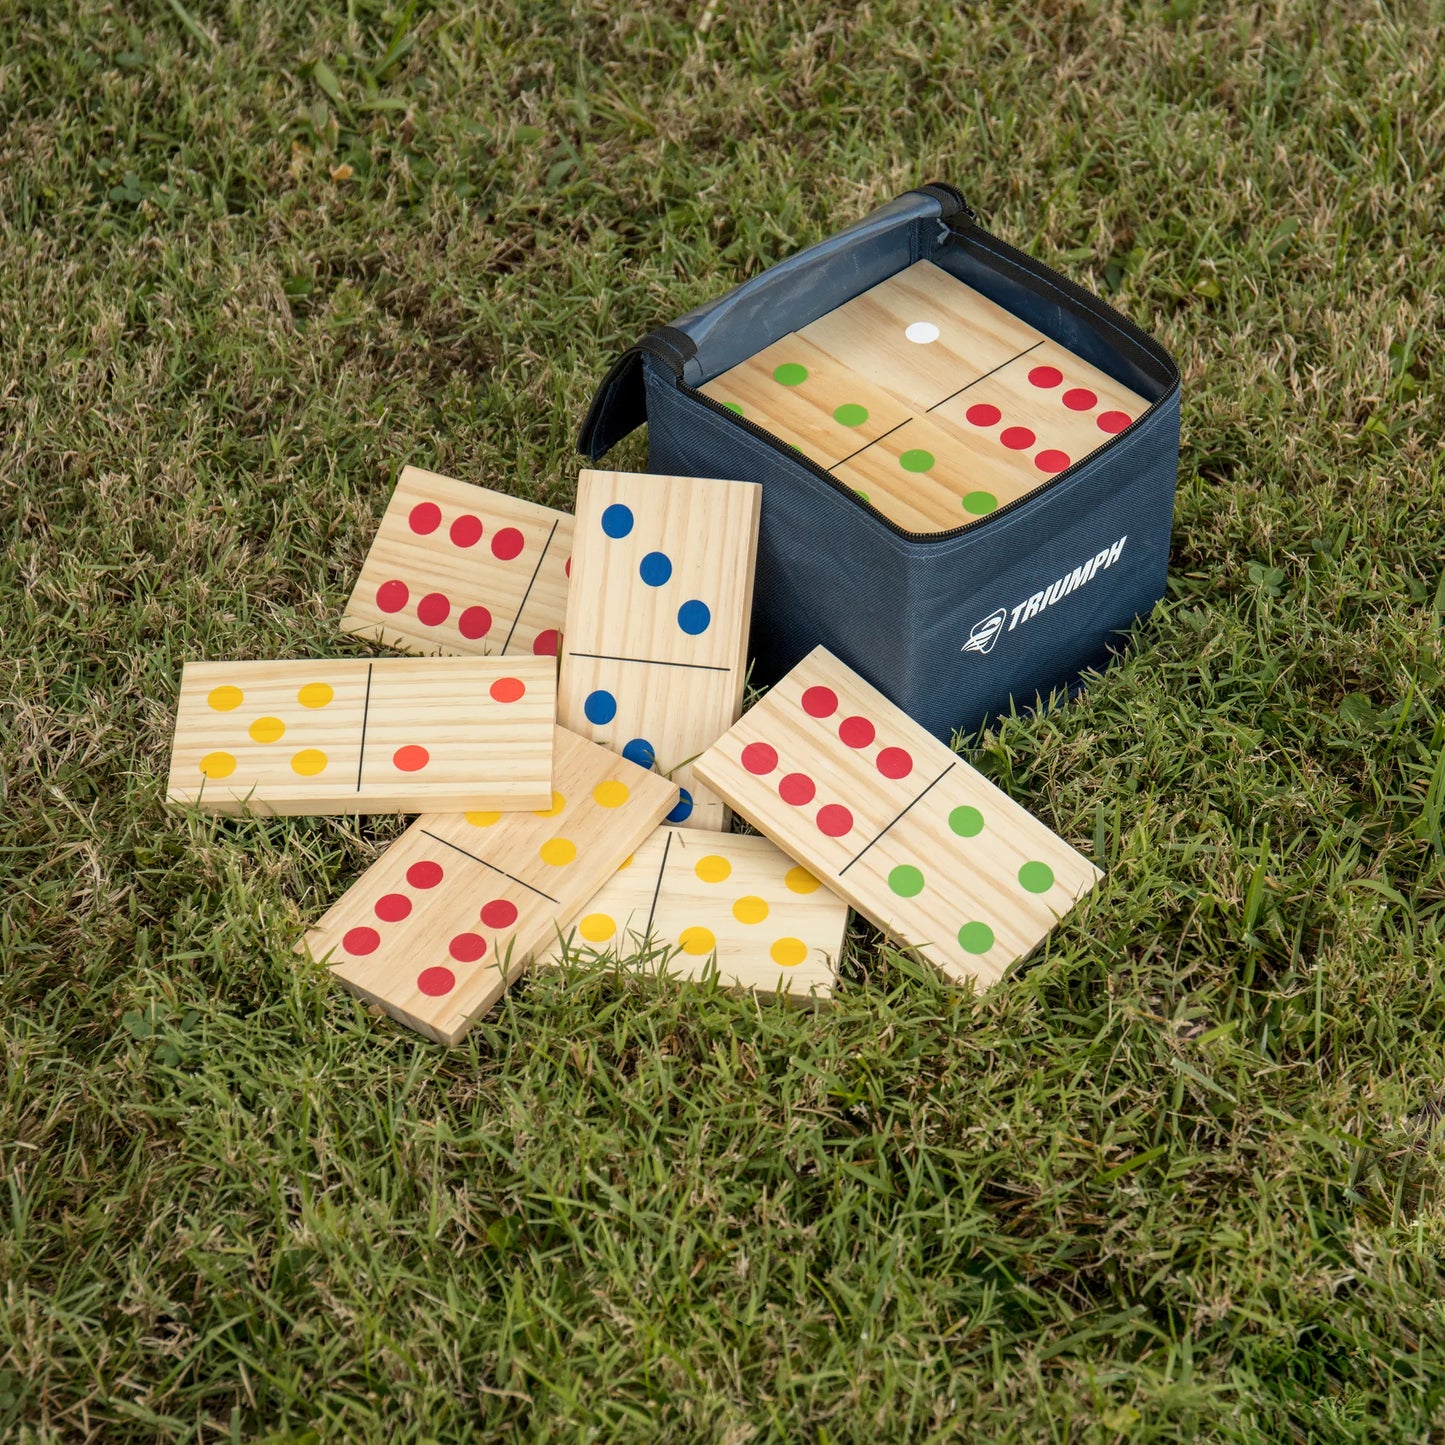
(455, 910)
(655, 643)
(890, 819)
(461, 569)
(391, 735)
(690, 900)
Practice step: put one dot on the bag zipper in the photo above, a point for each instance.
(1071, 289)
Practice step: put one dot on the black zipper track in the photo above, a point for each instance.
(1071, 289)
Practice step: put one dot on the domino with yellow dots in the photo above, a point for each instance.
(397, 735)
(455, 910)
(689, 900)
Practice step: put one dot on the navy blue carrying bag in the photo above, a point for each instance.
(953, 626)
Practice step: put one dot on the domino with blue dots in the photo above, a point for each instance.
(654, 647)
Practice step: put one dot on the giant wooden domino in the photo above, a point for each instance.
(459, 569)
(892, 820)
(356, 736)
(453, 912)
(953, 406)
(688, 898)
(655, 644)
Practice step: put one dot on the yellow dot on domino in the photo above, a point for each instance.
(799, 880)
(316, 694)
(788, 952)
(483, 820)
(558, 852)
(697, 941)
(713, 869)
(597, 927)
(308, 762)
(611, 794)
(218, 765)
(267, 730)
(225, 698)
(558, 803)
(751, 909)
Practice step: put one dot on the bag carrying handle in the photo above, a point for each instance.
(620, 403)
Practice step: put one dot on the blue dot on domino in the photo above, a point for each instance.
(683, 811)
(617, 520)
(641, 752)
(600, 707)
(656, 568)
(693, 617)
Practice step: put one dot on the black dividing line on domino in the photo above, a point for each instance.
(649, 661)
(458, 848)
(917, 800)
(652, 907)
(530, 584)
(988, 374)
(365, 709)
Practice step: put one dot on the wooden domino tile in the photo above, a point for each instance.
(393, 735)
(892, 820)
(928, 478)
(808, 400)
(689, 899)
(454, 911)
(1034, 417)
(921, 334)
(460, 569)
(655, 643)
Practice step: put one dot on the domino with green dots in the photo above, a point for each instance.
(893, 821)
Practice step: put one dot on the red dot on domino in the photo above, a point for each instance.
(1113, 421)
(393, 907)
(760, 758)
(467, 947)
(983, 413)
(499, 913)
(834, 820)
(797, 789)
(1079, 398)
(424, 874)
(820, 702)
(545, 643)
(466, 531)
(894, 762)
(436, 982)
(425, 518)
(1051, 461)
(1046, 376)
(1017, 438)
(392, 596)
(474, 623)
(856, 732)
(360, 941)
(508, 543)
(433, 609)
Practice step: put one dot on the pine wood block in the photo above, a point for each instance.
(808, 400)
(689, 900)
(921, 334)
(1036, 416)
(655, 643)
(461, 569)
(929, 478)
(889, 818)
(455, 910)
(393, 735)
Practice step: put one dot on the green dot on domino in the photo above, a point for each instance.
(850, 414)
(975, 938)
(980, 503)
(906, 881)
(1036, 877)
(966, 822)
(864, 495)
(733, 406)
(916, 460)
(790, 373)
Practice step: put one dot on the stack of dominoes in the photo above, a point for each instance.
(930, 401)
(572, 736)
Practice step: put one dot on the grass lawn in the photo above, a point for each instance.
(1177, 1180)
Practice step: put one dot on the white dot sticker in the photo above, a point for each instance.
(922, 332)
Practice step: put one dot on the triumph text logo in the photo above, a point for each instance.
(986, 631)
